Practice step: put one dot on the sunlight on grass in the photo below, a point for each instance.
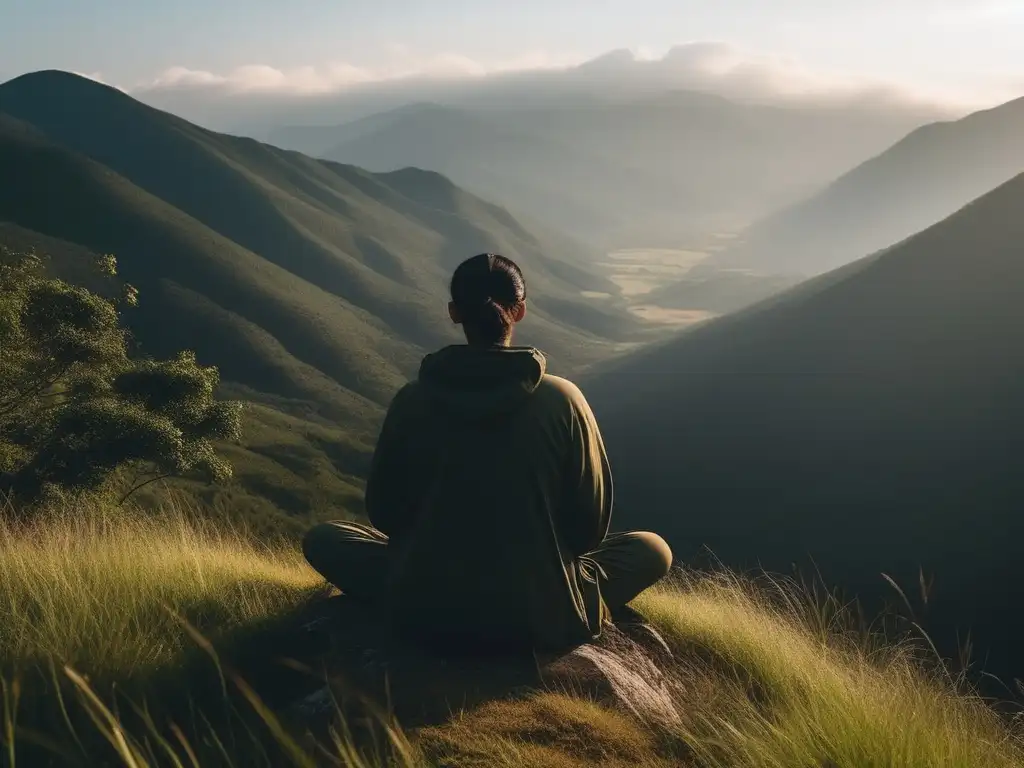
(794, 691)
(92, 587)
(548, 730)
(764, 677)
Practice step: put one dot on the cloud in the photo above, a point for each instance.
(758, 75)
(738, 73)
(261, 78)
(714, 66)
(98, 77)
(985, 12)
(338, 76)
(257, 97)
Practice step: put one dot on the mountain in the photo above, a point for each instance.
(314, 286)
(660, 168)
(922, 179)
(318, 139)
(869, 421)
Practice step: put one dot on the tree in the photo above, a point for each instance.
(76, 408)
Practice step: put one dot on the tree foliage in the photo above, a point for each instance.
(76, 409)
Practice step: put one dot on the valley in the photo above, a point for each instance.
(638, 271)
(671, 289)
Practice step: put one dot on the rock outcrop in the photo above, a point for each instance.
(352, 666)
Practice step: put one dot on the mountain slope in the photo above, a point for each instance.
(922, 179)
(186, 271)
(707, 288)
(544, 177)
(657, 168)
(360, 260)
(315, 287)
(871, 419)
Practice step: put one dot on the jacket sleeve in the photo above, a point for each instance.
(588, 513)
(387, 498)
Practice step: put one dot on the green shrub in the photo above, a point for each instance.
(76, 409)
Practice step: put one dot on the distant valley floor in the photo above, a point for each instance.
(674, 288)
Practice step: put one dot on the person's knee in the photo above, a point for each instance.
(658, 555)
(317, 543)
(632, 561)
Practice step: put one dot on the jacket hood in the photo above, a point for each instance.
(481, 383)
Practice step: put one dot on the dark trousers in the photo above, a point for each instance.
(353, 558)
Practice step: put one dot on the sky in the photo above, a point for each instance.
(967, 52)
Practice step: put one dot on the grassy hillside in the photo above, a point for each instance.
(626, 171)
(315, 287)
(870, 420)
(919, 181)
(85, 587)
(762, 677)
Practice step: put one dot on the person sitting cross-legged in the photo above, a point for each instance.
(490, 495)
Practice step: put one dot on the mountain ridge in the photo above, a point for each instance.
(920, 180)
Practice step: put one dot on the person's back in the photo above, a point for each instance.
(472, 488)
(491, 487)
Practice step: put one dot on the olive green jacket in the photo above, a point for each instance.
(491, 481)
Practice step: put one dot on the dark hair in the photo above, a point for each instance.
(485, 289)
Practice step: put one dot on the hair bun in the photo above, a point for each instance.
(487, 287)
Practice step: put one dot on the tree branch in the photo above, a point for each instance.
(9, 405)
(143, 485)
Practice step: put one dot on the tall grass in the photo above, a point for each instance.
(105, 610)
(271, 745)
(762, 677)
(794, 689)
(99, 588)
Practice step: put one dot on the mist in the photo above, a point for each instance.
(256, 99)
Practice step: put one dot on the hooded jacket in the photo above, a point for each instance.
(491, 481)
